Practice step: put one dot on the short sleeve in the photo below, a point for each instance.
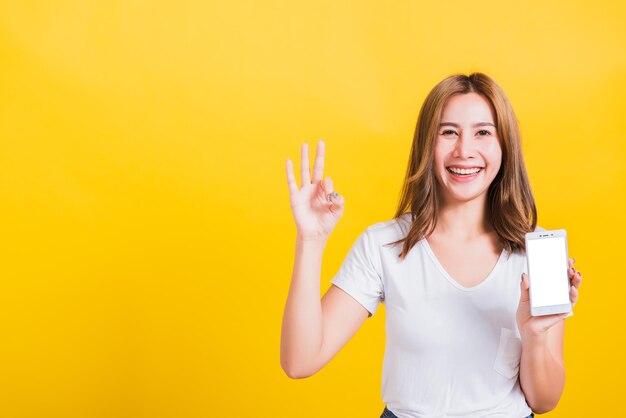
(359, 274)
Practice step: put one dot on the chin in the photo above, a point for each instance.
(462, 198)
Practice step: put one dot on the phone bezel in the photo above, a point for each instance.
(549, 309)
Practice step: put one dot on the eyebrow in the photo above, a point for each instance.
(474, 125)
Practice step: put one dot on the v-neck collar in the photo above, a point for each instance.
(456, 284)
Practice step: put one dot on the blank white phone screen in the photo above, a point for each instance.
(549, 284)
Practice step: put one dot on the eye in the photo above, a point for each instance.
(486, 132)
(447, 131)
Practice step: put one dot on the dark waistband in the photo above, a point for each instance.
(388, 414)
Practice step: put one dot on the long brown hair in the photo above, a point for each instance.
(510, 203)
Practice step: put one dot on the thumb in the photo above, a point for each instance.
(525, 286)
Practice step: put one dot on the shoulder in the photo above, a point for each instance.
(390, 230)
(538, 228)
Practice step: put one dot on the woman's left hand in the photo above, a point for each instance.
(538, 325)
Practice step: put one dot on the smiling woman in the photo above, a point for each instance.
(460, 338)
(465, 122)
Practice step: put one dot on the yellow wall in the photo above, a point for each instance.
(145, 231)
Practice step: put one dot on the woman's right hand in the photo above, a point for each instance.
(315, 207)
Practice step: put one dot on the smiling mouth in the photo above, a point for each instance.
(465, 172)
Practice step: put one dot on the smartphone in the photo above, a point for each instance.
(546, 255)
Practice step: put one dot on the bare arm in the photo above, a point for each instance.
(314, 330)
(542, 367)
(542, 373)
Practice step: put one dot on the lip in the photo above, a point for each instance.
(465, 166)
(466, 178)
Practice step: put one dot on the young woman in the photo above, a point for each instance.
(450, 268)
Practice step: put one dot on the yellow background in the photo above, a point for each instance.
(145, 231)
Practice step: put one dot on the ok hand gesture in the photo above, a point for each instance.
(316, 207)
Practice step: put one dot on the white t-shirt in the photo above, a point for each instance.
(451, 351)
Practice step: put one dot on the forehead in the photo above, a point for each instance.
(470, 107)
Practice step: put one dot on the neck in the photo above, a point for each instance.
(464, 221)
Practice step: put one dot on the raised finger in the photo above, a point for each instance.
(318, 167)
(305, 172)
(291, 179)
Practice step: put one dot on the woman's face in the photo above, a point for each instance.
(467, 143)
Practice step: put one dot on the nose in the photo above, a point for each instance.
(464, 146)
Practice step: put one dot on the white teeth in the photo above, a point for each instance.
(464, 170)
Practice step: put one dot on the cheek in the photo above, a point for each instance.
(493, 151)
(438, 158)
(441, 150)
